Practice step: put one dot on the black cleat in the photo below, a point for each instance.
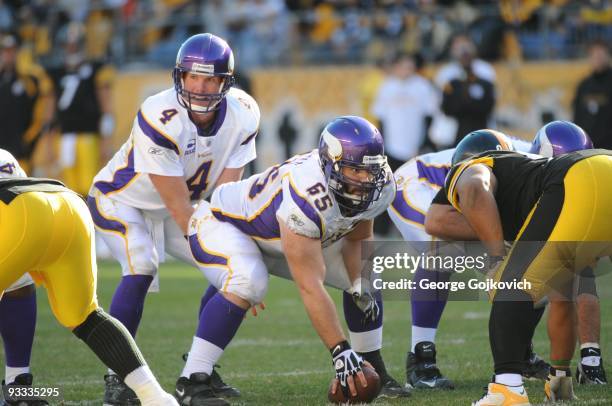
(590, 375)
(21, 380)
(197, 391)
(117, 393)
(536, 368)
(220, 388)
(391, 389)
(422, 371)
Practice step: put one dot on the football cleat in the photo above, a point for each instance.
(20, 380)
(391, 389)
(196, 391)
(559, 388)
(501, 395)
(422, 371)
(220, 388)
(117, 393)
(588, 374)
(536, 368)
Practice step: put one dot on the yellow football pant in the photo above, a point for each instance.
(50, 235)
(568, 229)
(79, 176)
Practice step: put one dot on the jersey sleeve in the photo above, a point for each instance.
(249, 116)
(105, 75)
(440, 198)
(298, 213)
(450, 185)
(156, 147)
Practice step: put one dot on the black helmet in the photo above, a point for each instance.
(480, 141)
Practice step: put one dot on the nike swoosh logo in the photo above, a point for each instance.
(180, 392)
(426, 347)
(429, 383)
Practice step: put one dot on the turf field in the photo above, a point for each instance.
(277, 358)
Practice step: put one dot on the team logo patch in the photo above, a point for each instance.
(244, 102)
(191, 147)
(295, 220)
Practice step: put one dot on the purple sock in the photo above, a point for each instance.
(128, 301)
(428, 304)
(219, 321)
(354, 316)
(210, 292)
(17, 325)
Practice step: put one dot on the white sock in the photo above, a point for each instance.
(589, 345)
(143, 383)
(10, 373)
(366, 341)
(510, 380)
(203, 356)
(591, 360)
(420, 334)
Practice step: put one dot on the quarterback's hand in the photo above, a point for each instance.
(367, 304)
(347, 364)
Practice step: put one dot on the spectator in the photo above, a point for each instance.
(468, 89)
(25, 103)
(84, 111)
(404, 105)
(287, 134)
(593, 101)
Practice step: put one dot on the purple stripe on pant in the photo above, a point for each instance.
(101, 221)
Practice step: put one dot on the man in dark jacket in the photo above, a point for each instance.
(593, 100)
(468, 98)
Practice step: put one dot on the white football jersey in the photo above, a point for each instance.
(429, 172)
(9, 167)
(296, 193)
(164, 141)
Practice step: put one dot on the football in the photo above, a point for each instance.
(364, 394)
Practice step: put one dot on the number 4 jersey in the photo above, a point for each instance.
(296, 193)
(164, 141)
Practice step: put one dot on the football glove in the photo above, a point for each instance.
(367, 304)
(346, 362)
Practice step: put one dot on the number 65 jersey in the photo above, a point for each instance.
(164, 141)
(296, 193)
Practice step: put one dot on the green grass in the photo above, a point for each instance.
(277, 358)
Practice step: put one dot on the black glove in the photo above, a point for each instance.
(346, 362)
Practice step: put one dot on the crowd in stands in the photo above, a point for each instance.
(302, 32)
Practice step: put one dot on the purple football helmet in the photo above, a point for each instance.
(560, 137)
(203, 54)
(353, 142)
